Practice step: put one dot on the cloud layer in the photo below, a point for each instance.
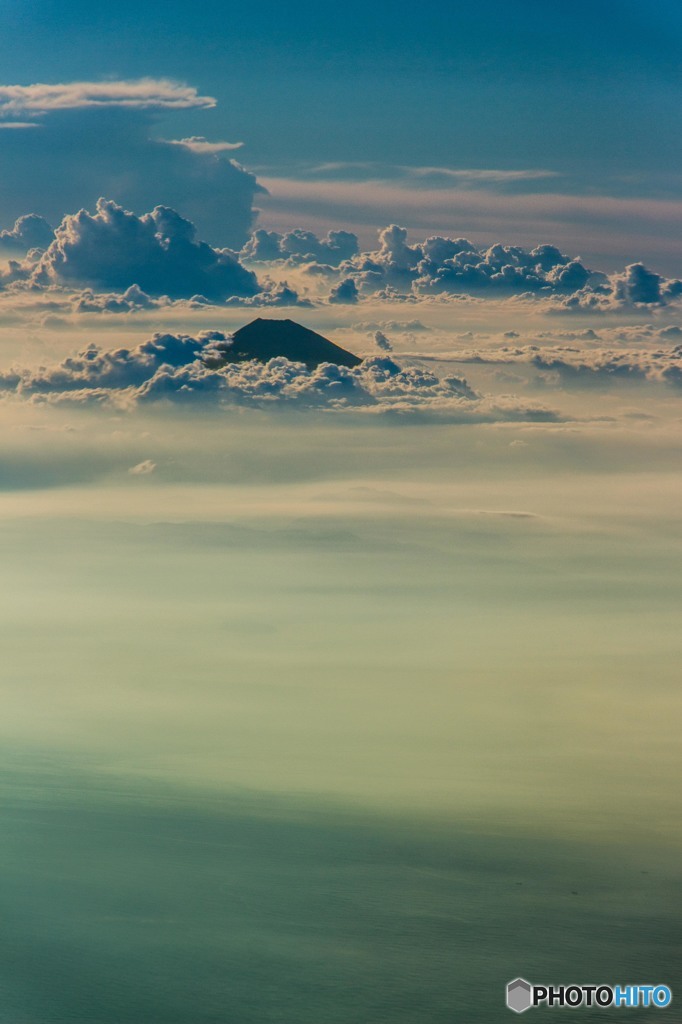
(115, 249)
(191, 371)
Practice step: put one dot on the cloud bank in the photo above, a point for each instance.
(115, 249)
(193, 371)
(441, 267)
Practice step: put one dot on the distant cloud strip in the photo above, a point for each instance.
(144, 93)
(198, 144)
(19, 124)
(341, 170)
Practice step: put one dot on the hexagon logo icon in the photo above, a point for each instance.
(519, 995)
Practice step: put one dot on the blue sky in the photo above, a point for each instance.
(587, 92)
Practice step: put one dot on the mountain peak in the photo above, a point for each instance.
(265, 338)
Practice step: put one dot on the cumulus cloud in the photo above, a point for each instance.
(133, 298)
(301, 246)
(590, 368)
(382, 342)
(636, 287)
(29, 232)
(145, 93)
(275, 293)
(113, 249)
(115, 369)
(344, 293)
(442, 266)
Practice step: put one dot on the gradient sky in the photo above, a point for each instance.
(583, 98)
(338, 695)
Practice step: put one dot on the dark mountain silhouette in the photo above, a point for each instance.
(266, 339)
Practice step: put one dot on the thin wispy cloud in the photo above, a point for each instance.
(343, 170)
(140, 93)
(198, 144)
(19, 124)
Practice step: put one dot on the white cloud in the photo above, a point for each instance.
(424, 176)
(19, 124)
(636, 287)
(198, 144)
(141, 93)
(143, 468)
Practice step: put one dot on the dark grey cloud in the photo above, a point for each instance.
(114, 249)
(670, 333)
(596, 368)
(639, 285)
(29, 232)
(636, 287)
(344, 293)
(114, 151)
(382, 342)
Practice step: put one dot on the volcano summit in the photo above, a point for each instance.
(267, 339)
